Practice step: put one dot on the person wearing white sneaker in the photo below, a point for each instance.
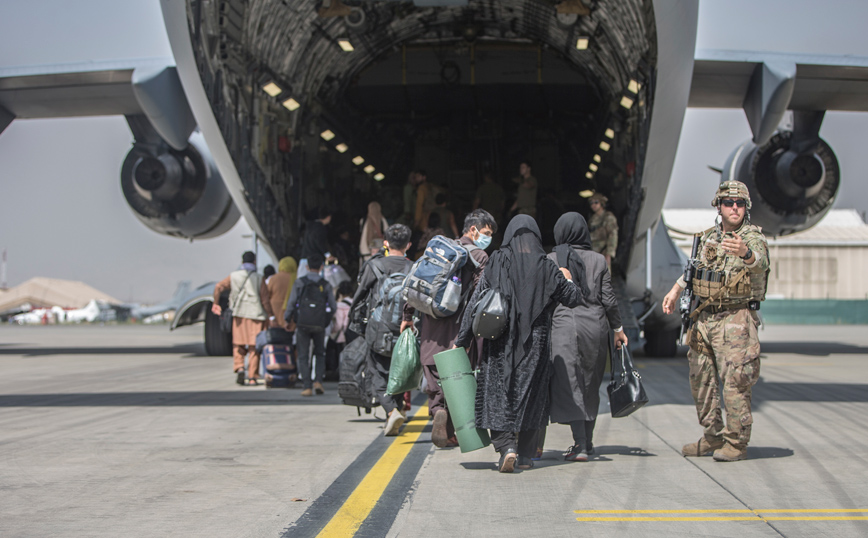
(394, 423)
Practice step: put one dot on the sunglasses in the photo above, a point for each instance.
(730, 203)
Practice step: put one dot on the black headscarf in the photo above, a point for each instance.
(521, 270)
(571, 230)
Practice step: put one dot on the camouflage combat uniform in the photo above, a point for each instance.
(604, 233)
(724, 346)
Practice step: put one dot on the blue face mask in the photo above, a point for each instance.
(483, 241)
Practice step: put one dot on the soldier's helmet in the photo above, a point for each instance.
(731, 189)
(599, 197)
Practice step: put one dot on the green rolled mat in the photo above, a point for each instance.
(459, 388)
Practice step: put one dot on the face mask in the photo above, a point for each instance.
(483, 241)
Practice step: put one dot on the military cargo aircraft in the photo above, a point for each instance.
(265, 99)
(141, 312)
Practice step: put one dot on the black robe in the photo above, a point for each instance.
(518, 401)
(580, 343)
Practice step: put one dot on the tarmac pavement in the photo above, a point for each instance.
(133, 431)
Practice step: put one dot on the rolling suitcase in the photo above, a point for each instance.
(280, 380)
(280, 372)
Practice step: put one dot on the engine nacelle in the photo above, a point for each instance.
(790, 190)
(178, 193)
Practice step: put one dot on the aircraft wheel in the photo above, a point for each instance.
(217, 343)
(661, 343)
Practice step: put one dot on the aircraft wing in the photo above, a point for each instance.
(72, 90)
(722, 79)
(767, 84)
(149, 93)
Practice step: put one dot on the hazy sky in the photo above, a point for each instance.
(62, 213)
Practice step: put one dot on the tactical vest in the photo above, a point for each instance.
(725, 276)
(244, 295)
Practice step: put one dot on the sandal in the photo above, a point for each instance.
(254, 381)
(239, 377)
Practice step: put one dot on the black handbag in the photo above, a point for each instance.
(490, 315)
(626, 393)
(226, 320)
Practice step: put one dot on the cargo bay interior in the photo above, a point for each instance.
(333, 103)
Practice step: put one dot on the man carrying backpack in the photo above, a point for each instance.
(311, 305)
(438, 333)
(380, 286)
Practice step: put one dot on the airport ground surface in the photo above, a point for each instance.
(132, 431)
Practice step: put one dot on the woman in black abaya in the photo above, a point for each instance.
(580, 335)
(513, 384)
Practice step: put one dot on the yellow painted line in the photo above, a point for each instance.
(819, 518)
(355, 510)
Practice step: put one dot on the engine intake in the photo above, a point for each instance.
(791, 187)
(178, 192)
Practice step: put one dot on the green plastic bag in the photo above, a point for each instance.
(405, 372)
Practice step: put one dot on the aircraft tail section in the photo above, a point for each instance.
(181, 291)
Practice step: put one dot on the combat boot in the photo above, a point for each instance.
(702, 447)
(730, 453)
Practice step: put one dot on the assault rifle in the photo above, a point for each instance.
(688, 299)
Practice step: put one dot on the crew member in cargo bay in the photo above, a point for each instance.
(730, 281)
(603, 226)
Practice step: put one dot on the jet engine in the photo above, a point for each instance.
(178, 192)
(792, 179)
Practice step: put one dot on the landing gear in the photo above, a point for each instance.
(661, 343)
(217, 343)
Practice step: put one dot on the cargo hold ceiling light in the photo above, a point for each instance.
(610, 133)
(593, 167)
(634, 86)
(358, 159)
(586, 193)
(582, 43)
(342, 148)
(291, 104)
(369, 169)
(604, 146)
(597, 158)
(327, 135)
(272, 89)
(589, 175)
(626, 102)
(345, 44)
(379, 176)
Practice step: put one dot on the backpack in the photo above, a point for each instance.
(433, 285)
(354, 384)
(312, 308)
(385, 312)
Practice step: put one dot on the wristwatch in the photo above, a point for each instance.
(747, 255)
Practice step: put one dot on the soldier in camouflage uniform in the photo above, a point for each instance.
(731, 279)
(603, 227)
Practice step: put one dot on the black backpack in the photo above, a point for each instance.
(312, 307)
(354, 385)
(386, 309)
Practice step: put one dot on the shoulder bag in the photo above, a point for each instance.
(626, 393)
